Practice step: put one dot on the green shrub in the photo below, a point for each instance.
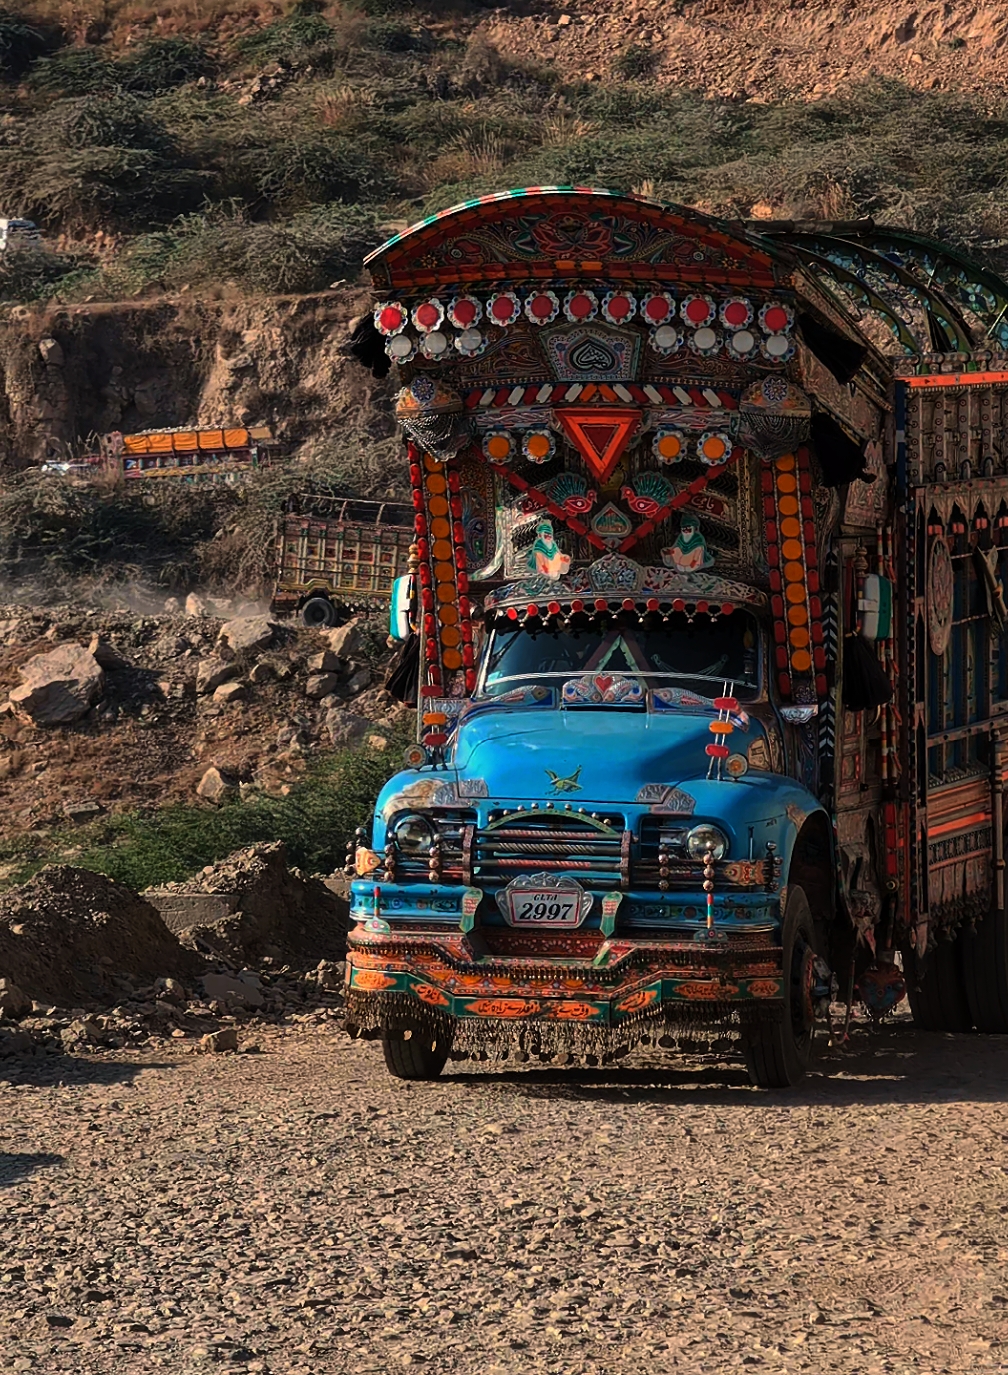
(635, 62)
(74, 527)
(299, 171)
(298, 39)
(97, 160)
(160, 65)
(315, 821)
(108, 121)
(37, 274)
(95, 187)
(379, 8)
(163, 63)
(76, 72)
(20, 44)
(306, 253)
(389, 36)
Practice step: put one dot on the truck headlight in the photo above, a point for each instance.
(706, 837)
(413, 833)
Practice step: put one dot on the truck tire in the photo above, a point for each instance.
(937, 989)
(778, 1053)
(318, 613)
(985, 967)
(414, 1053)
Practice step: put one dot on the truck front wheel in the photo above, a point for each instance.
(414, 1053)
(318, 613)
(778, 1053)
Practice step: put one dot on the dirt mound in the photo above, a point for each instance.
(75, 938)
(276, 915)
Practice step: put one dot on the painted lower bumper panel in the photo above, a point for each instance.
(571, 985)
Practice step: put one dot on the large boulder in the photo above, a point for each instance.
(246, 634)
(346, 727)
(211, 672)
(345, 640)
(217, 785)
(106, 655)
(321, 685)
(60, 687)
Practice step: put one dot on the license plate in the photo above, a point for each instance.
(529, 906)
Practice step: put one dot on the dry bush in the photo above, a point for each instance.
(479, 152)
(336, 107)
(559, 130)
(119, 18)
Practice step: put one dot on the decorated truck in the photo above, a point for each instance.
(336, 554)
(707, 622)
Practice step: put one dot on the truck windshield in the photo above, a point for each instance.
(701, 655)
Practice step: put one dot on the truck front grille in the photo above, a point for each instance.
(592, 848)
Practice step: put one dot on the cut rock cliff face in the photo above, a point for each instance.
(82, 370)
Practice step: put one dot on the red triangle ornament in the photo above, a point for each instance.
(600, 434)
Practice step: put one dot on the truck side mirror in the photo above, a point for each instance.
(399, 612)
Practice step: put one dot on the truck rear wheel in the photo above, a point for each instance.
(937, 990)
(318, 613)
(985, 967)
(414, 1053)
(778, 1053)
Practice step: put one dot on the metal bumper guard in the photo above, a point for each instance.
(506, 978)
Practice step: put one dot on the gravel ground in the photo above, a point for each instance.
(297, 1210)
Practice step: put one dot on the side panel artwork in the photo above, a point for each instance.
(957, 619)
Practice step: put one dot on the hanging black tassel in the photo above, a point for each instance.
(840, 459)
(865, 686)
(840, 356)
(403, 679)
(367, 346)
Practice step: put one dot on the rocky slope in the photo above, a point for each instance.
(212, 701)
(746, 49)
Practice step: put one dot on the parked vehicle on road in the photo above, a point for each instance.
(711, 534)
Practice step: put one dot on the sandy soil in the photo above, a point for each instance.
(298, 1210)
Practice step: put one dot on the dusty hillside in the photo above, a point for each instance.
(208, 176)
(189, 160)
(748, 49)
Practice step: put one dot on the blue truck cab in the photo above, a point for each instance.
(597, 852)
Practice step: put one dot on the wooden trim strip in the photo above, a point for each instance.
(959, 824)
(954, 379)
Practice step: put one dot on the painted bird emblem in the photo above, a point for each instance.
(649, 493)
(565, 785)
